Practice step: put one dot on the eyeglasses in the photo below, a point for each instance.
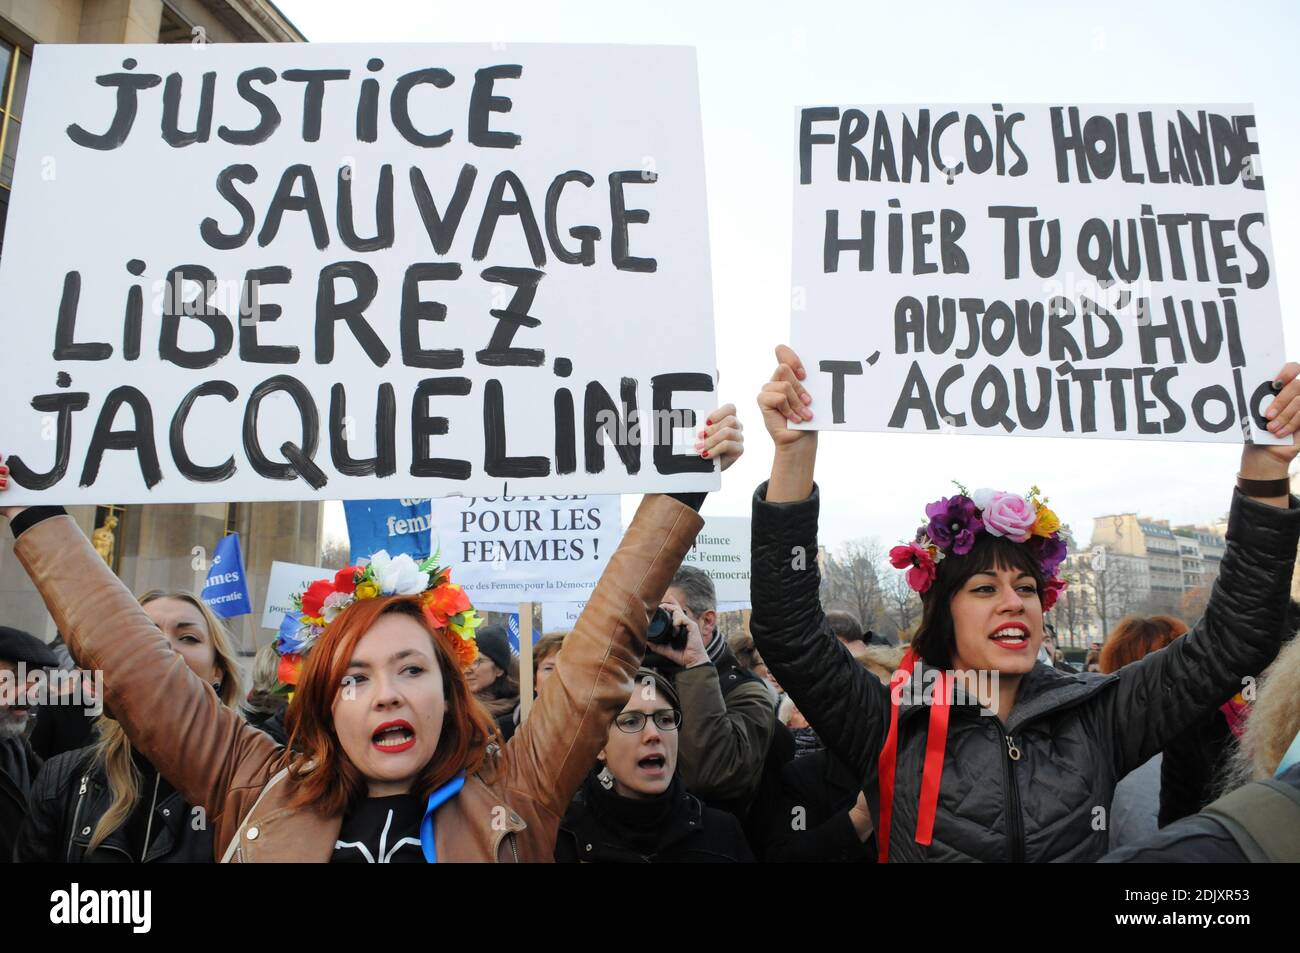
(670, 719)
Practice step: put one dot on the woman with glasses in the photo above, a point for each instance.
(633, 808)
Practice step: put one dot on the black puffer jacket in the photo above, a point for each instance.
(70, 796)
(1075, 735)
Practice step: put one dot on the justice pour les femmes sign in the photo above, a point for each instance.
(356, 271)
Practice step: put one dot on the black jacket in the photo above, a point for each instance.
(1200, 838)
(71, 794)
(1191, 765)
(19, 765)
(810, 823)
(602, 827)
(1039, 787)
(61, 728)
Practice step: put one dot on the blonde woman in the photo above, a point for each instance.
(106, 803)
(264, 708)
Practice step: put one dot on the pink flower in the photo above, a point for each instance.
(1005, 514)
(1051, 590)
(921, 574)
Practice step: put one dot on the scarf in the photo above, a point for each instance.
(436, 800)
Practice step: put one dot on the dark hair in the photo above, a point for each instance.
(936, 637)
(548, 645)
(845, 625)
(1136, 637)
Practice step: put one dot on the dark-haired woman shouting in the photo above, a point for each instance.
(977, 752)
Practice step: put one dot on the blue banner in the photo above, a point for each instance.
(226, 590)
(398, 526)
(512, 633)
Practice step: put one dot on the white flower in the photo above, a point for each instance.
(982, 497)
(398, 575)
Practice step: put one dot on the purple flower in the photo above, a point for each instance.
(953, 523)
(1049, 551)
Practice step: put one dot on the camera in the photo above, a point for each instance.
(662, 631)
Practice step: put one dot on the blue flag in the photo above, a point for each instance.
(398, 526)
(512, 633)
(226, 591)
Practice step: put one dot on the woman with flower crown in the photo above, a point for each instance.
(390, 758)
(976, 751)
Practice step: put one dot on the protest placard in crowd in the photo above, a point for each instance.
(225, 590)
(394, 526)
(1039, 270)
(328, 271)
(561, 616)
(286, 581)
(527, 548)
(722, 550)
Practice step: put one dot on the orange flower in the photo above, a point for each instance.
(289, 669)
(444, 602)
(463, 651)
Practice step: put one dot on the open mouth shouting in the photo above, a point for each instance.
(393, 737)
(1011, 635)
(653, 765)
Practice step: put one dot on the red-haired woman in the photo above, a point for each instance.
(1135, 809)
(390, 758)
(985, 754)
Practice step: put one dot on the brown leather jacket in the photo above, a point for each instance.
(238, 773)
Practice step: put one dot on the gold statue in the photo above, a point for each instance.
(102, 538)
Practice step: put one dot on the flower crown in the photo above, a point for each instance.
(954, 522)
(445, 605)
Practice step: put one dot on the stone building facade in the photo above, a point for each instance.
(154, 546)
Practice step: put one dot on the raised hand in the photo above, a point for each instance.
(1273, 462)
(8, 512)
(784, 400)
(722, 437)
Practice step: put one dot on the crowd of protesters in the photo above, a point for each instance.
(803, 738)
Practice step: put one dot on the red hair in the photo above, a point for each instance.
(1136, 637)
(323, 777)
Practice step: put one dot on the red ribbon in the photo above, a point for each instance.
(935, 744)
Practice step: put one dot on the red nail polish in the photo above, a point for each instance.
(709, 421)
(705, 453)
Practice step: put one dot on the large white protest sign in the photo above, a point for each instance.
(286, 581)
(1044, 270)
(722, 550)
(526, 548)
(318, 271)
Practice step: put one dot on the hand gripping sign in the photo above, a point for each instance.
(1051, 270)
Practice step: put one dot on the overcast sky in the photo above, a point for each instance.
(758, 60)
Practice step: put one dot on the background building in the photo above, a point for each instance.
(155, 546)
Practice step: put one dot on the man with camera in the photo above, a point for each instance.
(728, 713)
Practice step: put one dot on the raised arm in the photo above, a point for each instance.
(847, 707)
(557, 745)
(174, 719)
(1246, 618)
